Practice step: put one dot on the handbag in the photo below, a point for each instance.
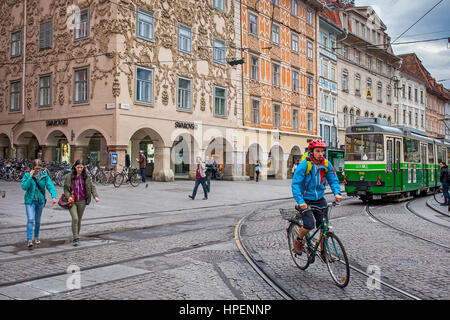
(64, 202)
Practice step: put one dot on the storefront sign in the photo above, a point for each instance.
(362, 129)
(110, 106)
(124, 106)
(58, 122)
(185, 125)
(114, 159)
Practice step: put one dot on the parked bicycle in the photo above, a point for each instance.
(328, 246)
(132, 176)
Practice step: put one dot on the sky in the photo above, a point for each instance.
(399, 15)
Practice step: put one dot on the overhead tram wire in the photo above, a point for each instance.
(417, 21)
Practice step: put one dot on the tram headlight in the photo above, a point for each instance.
(379, 181)
(361, 178)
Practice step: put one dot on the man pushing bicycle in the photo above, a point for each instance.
(308, 187)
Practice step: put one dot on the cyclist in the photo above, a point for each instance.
(308, 187)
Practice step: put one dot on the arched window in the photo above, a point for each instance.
(389, 120)
(352, 117)
(345, 80)
(372, 115)
(388, 94)
(357, 84)
(366, 115)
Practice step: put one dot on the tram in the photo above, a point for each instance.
(383, 161)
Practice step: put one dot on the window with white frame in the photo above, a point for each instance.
(325, 69)
(333, 105)
(295, 119)
(294, 7)
(345, 52)
(309, 17)
(294, 42)
(219, 51)
(388, 95)
(310, 51)
(15, 96)
(81, 86)
(310, 122)
(357, 84)
(333, 72)
(276, 74)
(275, 34)
(379, 89)
(184, 94)
(276, 116)
(145, 25)
(310, 86)
(254, 68)
(184, 39)
(379, 66)
(81, 30)
(16, 44)
(220, 108)
(220, 5)
(357, 60)
(144, 85)
(253, 23)
(344, 80)
(295, 81)
(45, 91)
(255, 111)
(368, 62)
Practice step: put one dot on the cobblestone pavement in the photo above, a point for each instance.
(175, 248)
(413, 265)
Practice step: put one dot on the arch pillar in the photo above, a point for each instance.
(48, 153)
(20, 152)
(78, 152)
(163, 171)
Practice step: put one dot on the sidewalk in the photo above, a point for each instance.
(159, 198)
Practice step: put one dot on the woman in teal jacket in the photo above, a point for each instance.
(35, 199)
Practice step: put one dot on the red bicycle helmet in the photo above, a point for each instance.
(316, 144)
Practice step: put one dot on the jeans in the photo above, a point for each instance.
(197, 182)
(143, 174)
(445, 186)
(76, 212)
(34, 213)
(208, 181)
(257, 176)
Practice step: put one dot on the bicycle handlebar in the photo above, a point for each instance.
(334, 203)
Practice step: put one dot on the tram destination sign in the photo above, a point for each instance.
(57, 122)
(362, 129)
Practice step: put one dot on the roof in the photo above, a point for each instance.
(413, 66)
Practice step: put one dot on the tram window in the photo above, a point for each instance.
(430, 153)
(362, 147)
(440, 154)
(411, 152)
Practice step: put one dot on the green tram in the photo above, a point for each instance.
(382, 161)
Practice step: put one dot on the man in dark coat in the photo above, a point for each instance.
(444, 180)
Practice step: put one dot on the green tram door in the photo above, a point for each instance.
(393, 148)
(423, 163)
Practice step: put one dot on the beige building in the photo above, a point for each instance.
(109, 77)
(367, 68)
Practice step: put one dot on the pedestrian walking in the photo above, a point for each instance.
(215, 166)
(209, 170)
(295, 166)
(444, 178)
(142, 164)
(200, 178)
(34, 183)
(127, 161)
(79, 183)
(257, 168)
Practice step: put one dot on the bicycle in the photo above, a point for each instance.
(332, 251)
(132, 176)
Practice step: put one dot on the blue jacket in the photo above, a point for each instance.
(312, 186)
(30, 187)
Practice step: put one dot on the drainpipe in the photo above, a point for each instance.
(24, 53)
(242, 66)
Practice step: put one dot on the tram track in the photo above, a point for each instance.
(374, 217)
(282, 290)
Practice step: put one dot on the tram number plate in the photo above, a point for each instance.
(376, 196)
(361, 193)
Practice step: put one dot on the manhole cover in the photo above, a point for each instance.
(214, 256)
(403, 262)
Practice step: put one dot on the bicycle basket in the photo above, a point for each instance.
(289, 214)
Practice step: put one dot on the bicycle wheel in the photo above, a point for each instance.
(118, 180)
(300, 259)
(135, 179)
(336, 260)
